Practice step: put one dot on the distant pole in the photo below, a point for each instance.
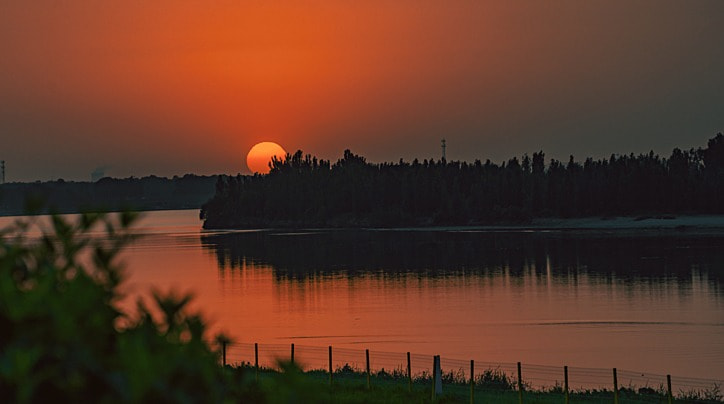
(668, 385)
(2, 168)
(367, 357)
(472, 381)
(409, 373)
(444, 146)
(256, 360)
(331, 371)
(292, 353)
(520, 385)
(565, 377)
(615, 387)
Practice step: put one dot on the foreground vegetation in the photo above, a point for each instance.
(350, 386)
(304, 191)
(63, 339)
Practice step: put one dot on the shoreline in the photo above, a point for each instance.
(686, 224)
(682, 223)
(67, 212)
(618, 225)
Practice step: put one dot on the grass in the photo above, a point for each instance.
(350, 386)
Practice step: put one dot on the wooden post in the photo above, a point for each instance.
(256, 360)
(434, 375)
(437, 376)
(520, 385)
(292, 353)
(668, 386)
(472, 381)
(565, 382)
(367, 356)
(409, 373)
(331, 370)
(223, 352)
(615, 387)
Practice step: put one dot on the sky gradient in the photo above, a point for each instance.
(172, 87)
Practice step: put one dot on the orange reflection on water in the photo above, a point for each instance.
(534, 317)
(540, 310)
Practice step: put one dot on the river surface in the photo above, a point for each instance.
(646, 301)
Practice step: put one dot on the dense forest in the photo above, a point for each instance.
(108, 194)
(305, 191)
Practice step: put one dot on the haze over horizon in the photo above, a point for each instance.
(169, 88)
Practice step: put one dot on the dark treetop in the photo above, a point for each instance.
(304, 191)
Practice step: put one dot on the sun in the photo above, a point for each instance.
(261, 155)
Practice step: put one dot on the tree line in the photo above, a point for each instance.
(301, 190)
(106, 194)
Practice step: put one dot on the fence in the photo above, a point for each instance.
(515, 376)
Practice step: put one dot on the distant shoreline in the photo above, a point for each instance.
(102, 211)
(688, 224)
(654, 222)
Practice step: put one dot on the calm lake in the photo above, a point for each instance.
(646, 302)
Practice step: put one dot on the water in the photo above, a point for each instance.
(645, 301)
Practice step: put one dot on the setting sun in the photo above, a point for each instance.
(261, 155)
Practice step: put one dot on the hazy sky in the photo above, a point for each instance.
(169, 87)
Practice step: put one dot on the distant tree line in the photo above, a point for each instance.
(107, 194)
(305, 191)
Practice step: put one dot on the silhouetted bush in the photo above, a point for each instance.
(63, 339)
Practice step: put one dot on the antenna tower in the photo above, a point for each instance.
(443, 148)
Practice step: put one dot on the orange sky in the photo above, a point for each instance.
(170, 87)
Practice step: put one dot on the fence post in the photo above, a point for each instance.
(223, 352)
(615, 387)
(292, 354)
(367, 356)
(472, 381)
(565, 382)
(520, 385)
(668, 386)
(256, 360)
(331, 370)
(434, 374)
(437, 380)
(409, 373)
